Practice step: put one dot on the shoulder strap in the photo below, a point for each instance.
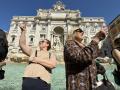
(49, 55)
(36, 53)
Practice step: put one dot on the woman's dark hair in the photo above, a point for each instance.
(48, 42)
(3, 45)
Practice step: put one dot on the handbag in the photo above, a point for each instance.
(2, 72)
(106, 84)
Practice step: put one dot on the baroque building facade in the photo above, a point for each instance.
(54, 24)
(114, 28)
(113, 34)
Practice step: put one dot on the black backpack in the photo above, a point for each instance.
(3, 45)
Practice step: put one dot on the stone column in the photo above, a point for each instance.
(37, 34)
(49, 29)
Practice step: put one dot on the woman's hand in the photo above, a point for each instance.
(34, 59)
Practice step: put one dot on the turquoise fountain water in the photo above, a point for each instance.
(14, 73)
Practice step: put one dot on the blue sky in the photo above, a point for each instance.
(108, 9)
